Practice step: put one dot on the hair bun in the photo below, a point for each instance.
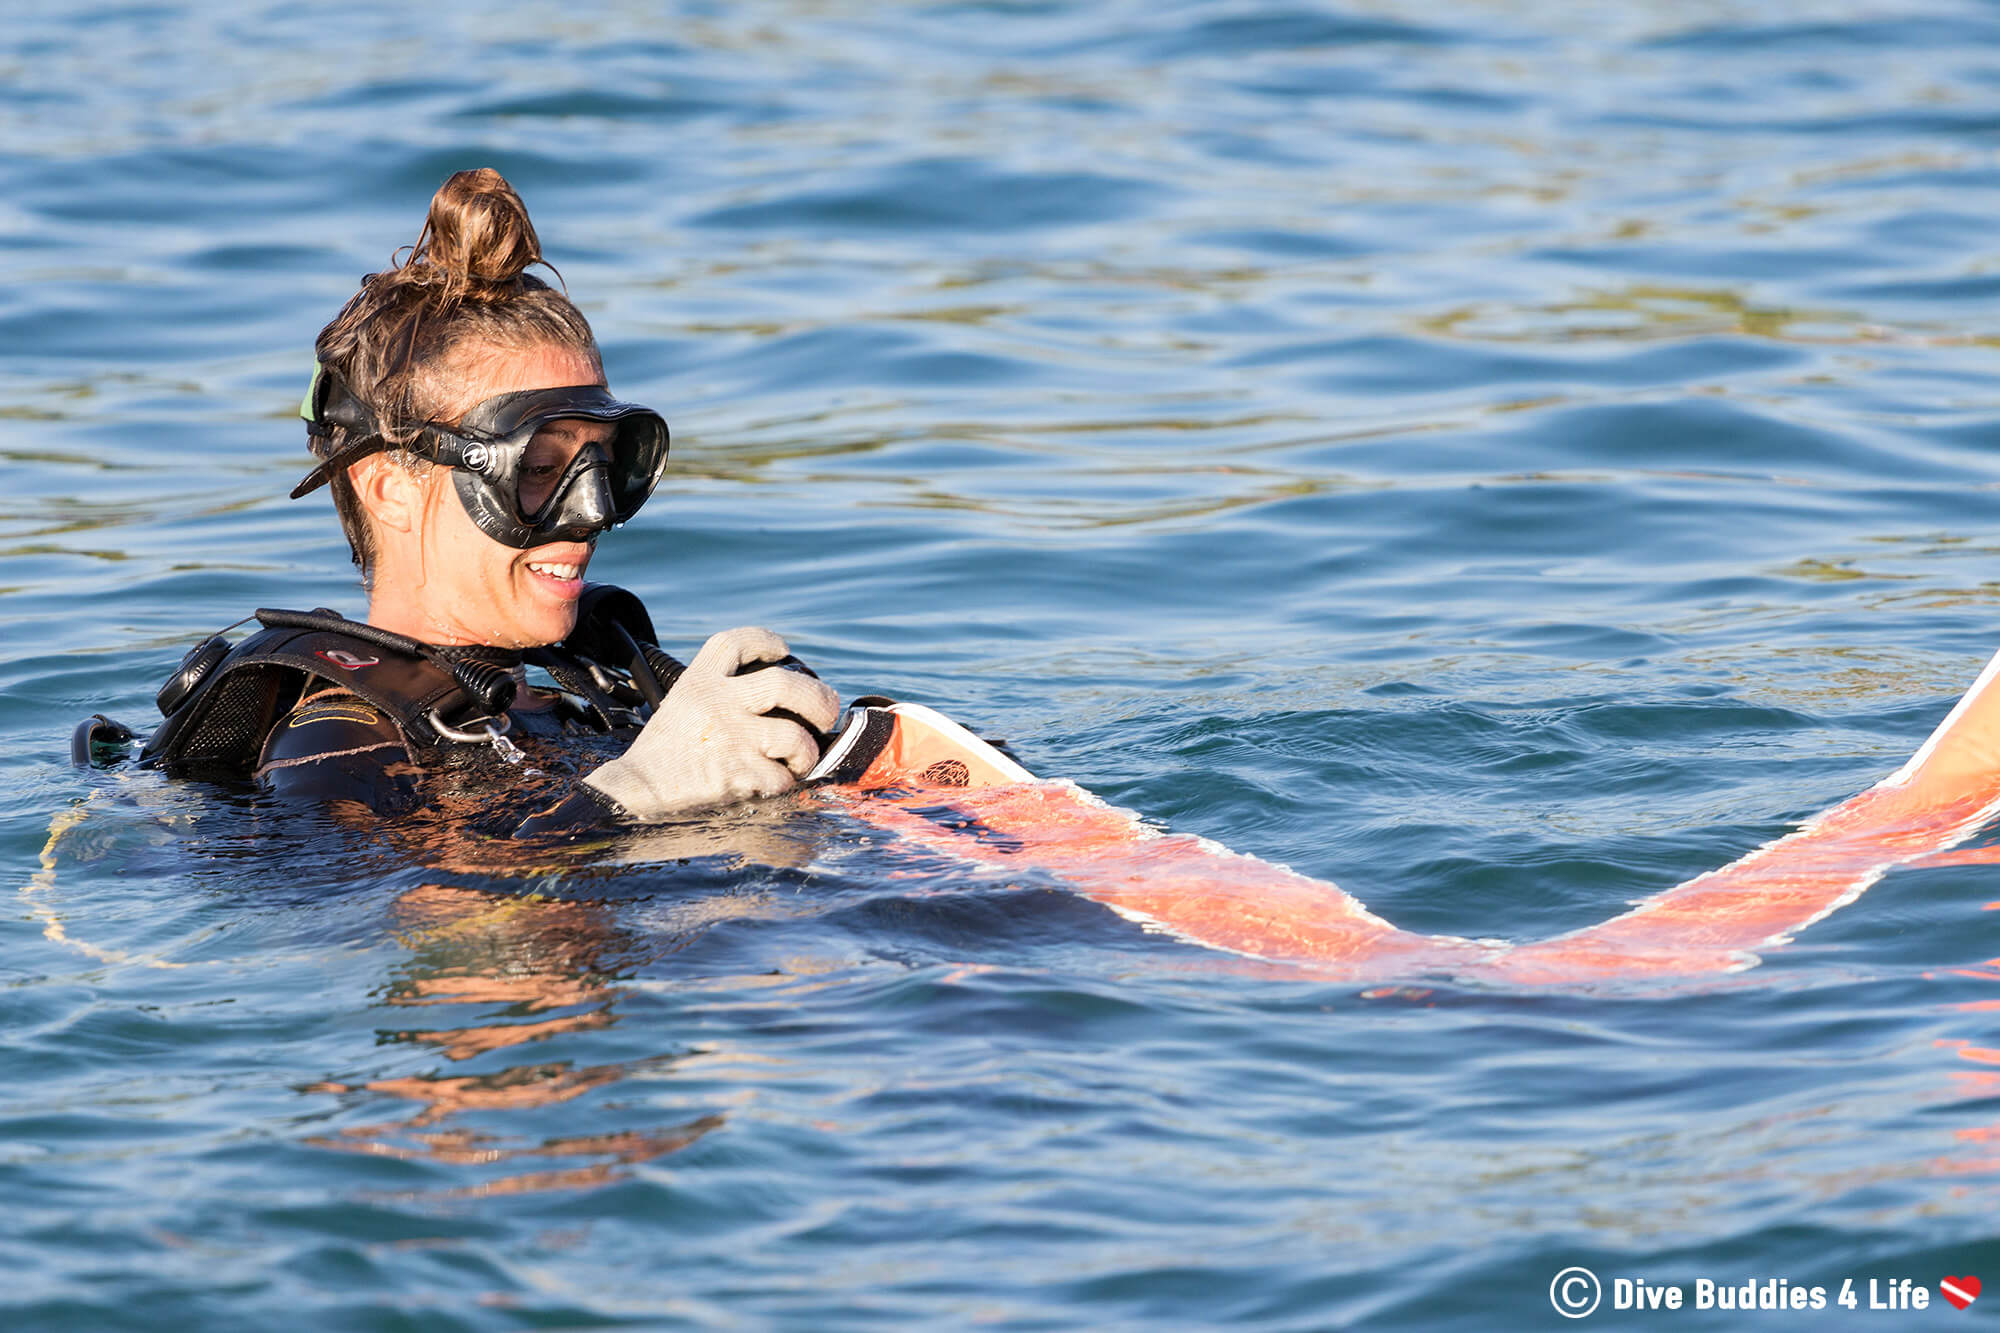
(477, 240)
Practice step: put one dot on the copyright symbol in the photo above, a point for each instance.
(1575, 1292)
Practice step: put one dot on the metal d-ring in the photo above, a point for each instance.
(495, 731)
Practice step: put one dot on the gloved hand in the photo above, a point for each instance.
(709, 742)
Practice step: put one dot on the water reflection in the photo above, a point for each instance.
(549, 964)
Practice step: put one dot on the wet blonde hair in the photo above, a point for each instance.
(405, 344)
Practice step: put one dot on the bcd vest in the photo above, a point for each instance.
(224, 700)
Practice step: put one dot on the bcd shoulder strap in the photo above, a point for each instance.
(223, 703)
(219, 727)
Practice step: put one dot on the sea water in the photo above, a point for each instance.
(1505, 458)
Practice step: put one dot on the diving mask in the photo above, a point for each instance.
(521, 492)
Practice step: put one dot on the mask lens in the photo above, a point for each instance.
(548, 459)
(638, 456)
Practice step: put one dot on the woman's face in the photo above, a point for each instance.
(470, 588)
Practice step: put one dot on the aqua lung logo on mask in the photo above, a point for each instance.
(340, 657)
(478, 457)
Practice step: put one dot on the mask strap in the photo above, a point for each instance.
(328, 403)
(354, 452)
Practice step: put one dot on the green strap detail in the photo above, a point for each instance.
(312, 390)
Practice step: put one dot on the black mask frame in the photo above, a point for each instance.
(603, 485)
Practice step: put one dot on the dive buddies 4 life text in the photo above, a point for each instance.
(1576, 1292)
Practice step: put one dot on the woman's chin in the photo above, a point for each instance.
(554, 624)
(535, 619)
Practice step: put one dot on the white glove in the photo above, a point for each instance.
(709, 743)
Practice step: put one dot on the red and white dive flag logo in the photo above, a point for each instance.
(1960, 1291)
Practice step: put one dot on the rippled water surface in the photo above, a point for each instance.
(1504, 458)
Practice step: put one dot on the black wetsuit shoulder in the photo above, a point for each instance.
(336, 746)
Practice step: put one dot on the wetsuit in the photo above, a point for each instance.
(336, 746)
(323, 708)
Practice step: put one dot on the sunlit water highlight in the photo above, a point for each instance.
(1506, 459)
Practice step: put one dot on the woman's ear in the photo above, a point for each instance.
(390, 495)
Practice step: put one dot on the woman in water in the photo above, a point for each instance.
(461, 418)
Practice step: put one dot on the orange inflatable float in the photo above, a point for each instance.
(896, 765)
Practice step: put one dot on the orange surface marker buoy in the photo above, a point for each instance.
(1000, 816)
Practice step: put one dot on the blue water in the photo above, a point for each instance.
(1505, 458)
